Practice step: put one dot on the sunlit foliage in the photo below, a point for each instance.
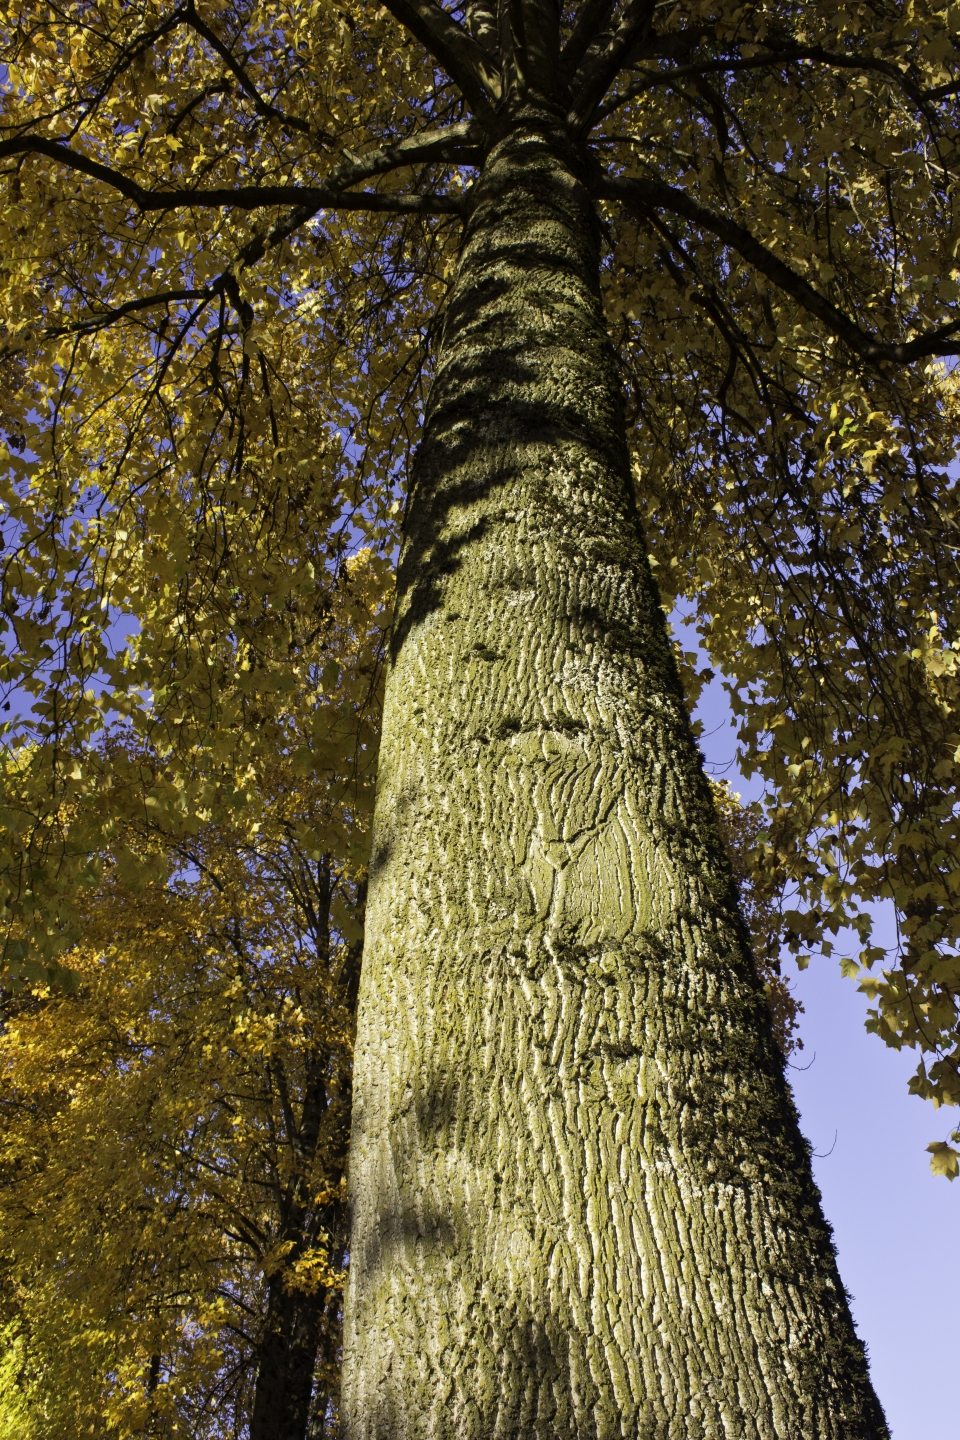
(173, 1134)
(227, 234)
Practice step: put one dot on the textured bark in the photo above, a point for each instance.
(581, 1203)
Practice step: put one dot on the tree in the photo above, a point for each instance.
(174, 1125)
(581, 1202)
(173, 1165)
(173, 1194)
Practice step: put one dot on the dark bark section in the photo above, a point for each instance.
(581, 1202)
(288, 1353)
(298, 1350)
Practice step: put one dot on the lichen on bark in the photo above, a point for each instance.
(582, 1205)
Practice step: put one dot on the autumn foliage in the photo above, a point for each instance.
(227, 234)
(209, 396)
(175, 1122)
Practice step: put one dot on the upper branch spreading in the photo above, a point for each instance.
(464, 58)
(255, 197)
(643, 195)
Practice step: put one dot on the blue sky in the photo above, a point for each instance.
(895, 1224)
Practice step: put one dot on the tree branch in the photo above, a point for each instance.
(592, 16)
(480, 17)
(414, 148)
(782, 55)
(644, 195)
(599, 71)
(128, 55)
(838, 61)
(262, 107)
(143, 302)
(441, 144)
(216, 87)
(464, 60)
(254, 197)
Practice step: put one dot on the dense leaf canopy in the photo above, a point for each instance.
(173, 1157)
(228, 232)
(174, 1126)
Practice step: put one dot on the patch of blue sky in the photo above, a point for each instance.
(895, 1224)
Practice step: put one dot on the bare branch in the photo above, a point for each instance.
(442, 144)
(645, 195)
(262, 107)
(464, 60)
(591, 18)
(241, 197)
(216, 87)
(481, 20)
(101, 320)
(838, 61)
(426, 146)
(942, 92)
(599, 70)
(777, 56)
(539, 24)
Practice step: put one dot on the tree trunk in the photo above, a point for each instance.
(581, 1202)
(301, 1330)
(288, 1354)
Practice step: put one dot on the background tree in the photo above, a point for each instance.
(778, 295)
(161, 1125)
(173, 1203)
(174, 1125)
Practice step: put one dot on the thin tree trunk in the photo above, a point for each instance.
(301, 1329)
(288, 1353)
(581, 1203)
